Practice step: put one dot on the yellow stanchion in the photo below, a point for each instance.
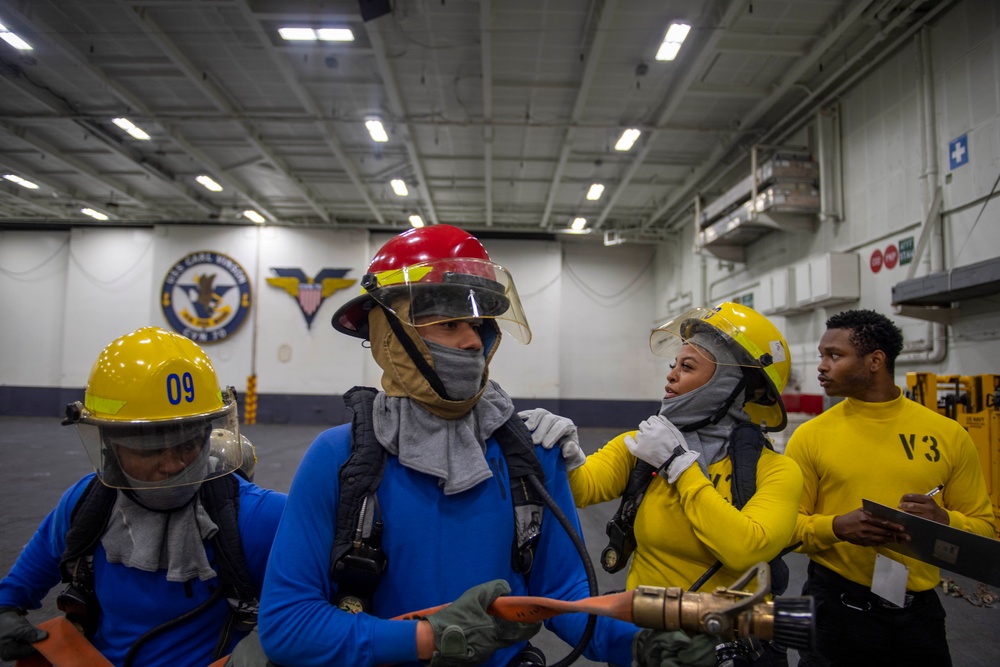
(250, 403)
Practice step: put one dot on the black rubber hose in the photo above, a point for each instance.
(588, 631)
(163, 627)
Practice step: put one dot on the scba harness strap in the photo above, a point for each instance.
(357, 560)
(746, 443)
(220, 497)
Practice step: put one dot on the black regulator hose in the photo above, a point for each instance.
(163, 627)
(553, 506)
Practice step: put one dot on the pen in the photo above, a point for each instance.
(936, 490)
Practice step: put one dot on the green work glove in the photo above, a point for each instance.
(672, 648)
(464, 634)
(17, 635)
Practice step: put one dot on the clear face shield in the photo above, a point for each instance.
(451, 289)
(705, 330)
(165, 453)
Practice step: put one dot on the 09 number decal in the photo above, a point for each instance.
(180, 388)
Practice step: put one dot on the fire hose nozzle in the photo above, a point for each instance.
(729, 612)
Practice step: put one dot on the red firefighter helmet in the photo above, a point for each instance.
(446, 274)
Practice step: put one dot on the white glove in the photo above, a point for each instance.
(659, 442)
(548, 429)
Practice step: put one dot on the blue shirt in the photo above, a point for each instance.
(134, 601)
(437, 546)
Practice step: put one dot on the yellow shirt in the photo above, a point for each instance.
(881, 451)
(682, 529)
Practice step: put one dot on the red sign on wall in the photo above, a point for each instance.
(891, 257)
(876, 261)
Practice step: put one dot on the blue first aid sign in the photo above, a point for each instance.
(958, 152)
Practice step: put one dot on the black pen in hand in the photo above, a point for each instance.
(936, 490)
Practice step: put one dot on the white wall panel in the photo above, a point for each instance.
(32, 303)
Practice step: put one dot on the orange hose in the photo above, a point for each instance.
(531, 609)
(64, 647)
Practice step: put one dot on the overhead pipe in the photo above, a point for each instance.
(934, 348)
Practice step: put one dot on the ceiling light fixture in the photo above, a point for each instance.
(627, 139)
(14, 178)
(96, 215)
(399, 187)
(254, 216)
(377, 131)
(335, 34)
(12, 39)
(416, 221)
(578, 224)
(676, 34)
(595, 192)
(208, 183)
(297, 34)
(131, 128)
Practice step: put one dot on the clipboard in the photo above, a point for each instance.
(948, 548)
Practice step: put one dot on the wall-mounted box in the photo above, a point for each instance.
(826, 280)
(775, 292)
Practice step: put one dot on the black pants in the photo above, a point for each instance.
(855, 627)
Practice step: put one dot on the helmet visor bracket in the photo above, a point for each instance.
(452, 289)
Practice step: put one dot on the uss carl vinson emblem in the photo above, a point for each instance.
(206, 296)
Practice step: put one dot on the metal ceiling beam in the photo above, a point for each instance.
(53, 152)
(593, 59)
(694, 66)
(486, 57)
(9, 165)
(197, 77)
(398, 109)
(61, 107)
(318, 116)
(22, 200)
(684, 194)
(135, 103)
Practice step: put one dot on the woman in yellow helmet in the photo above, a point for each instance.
(729, 366)
(161, 533)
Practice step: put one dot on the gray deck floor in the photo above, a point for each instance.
(39, 459)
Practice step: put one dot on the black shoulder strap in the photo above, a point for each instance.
(221, 499)
(621, 527)
(88, 521)
(746, 442)
(362, 472)
(529, 507)
(357, 559)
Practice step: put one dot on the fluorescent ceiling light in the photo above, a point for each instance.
(131, 128)
(209, 183)
(12, 39)
(399, 187)
(595, 192)
(376, 130)
(297, 34)
(311, 35)
(578, 224)
(416, 221)
(627, 139)
(253, 215)
(676, 34)
(14, 178)
(97, 215)
(335, 34)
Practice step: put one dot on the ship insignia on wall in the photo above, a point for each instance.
(206, 296)
(308, 292)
